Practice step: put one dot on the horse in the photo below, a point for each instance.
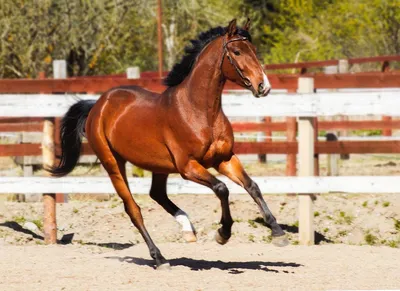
(182, 130)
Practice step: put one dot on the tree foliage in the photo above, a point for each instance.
(103, 36)
(94, 36)
(302, 30)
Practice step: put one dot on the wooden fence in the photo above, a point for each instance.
(343, 66)
(286, 82)
(306, 106)
(39, 112)
(34, 107)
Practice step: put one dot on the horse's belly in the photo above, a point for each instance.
(138, 139)
(151, 157)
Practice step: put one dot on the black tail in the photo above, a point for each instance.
(72, 131)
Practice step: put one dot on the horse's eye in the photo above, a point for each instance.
(237, 53)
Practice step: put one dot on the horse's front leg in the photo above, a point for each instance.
(195, 172)
(233, 169)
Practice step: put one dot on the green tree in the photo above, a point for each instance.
(184, 19)
(103, 37)
(94, 36)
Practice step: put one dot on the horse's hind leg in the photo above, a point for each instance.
(158, 192)
(115, 168)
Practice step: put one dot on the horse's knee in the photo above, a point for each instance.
(221, 190)
(187, 173)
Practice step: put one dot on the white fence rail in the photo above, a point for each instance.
(268, 185)
(242, 105)
(305, 106)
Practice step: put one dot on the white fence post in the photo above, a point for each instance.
(332, 159)
(133, 73)
(306, 167)
(59, 69)
(343, 66)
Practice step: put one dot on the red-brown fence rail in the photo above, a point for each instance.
(278, 81)
(270, 147)
(302, 66)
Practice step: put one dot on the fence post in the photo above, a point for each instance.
(306, 167)
(262, 158)
(291, 132)
(343, 66)
(316, 155)
(49, 199)
(133, 73)
(387, 131)
(59, 69)
(332, 159)
(343, 69)
(59, 72)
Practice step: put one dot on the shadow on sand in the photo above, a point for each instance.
(18, 228)
(318, 237)
(66, 238)
(200, 265)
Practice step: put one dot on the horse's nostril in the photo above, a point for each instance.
(261, 87)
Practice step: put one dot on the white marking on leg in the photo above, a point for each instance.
(183, 219)
(266, 81)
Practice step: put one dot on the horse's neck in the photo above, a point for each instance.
(203, 87)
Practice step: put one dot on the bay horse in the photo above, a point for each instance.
(183, 130)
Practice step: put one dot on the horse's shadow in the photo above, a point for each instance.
(18, 228)
(201, 265)
(66, 238)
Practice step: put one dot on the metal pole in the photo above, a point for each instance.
(160, 40)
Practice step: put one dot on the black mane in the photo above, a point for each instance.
(180, 70)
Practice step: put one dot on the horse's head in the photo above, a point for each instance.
(239, 63)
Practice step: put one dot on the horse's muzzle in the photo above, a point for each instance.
(262, 91)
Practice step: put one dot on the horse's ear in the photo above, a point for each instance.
(232, 27)
(247, 25)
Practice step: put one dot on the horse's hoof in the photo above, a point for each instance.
(221, 240)
(165, 266)
(189, 236)
(280, 241)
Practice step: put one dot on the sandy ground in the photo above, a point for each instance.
(200, 266)
(103, 251)
(357, 236)
(339, 218)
